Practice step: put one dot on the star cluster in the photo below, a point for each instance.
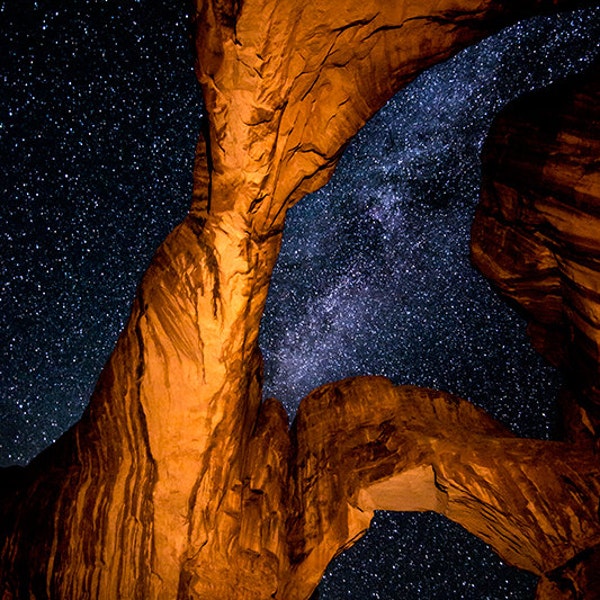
(99, 113)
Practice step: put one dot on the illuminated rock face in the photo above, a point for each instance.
(369, 445)
(177, 482)
(537, 229)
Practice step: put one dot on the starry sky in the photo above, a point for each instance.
(99, 113)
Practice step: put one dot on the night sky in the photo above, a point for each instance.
(99, 113)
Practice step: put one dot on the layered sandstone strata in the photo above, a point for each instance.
(536, 232)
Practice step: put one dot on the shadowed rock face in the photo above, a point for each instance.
(536, 232)
(536, 236)
(177, 482)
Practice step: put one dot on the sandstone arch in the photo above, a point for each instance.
(177, 481)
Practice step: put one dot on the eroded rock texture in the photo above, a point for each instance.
(536, 235)
(177, 482)
(537, 229)
(369, 445)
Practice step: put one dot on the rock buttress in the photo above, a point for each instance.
(536, 233)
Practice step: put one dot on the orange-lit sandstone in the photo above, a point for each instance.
(177, 482)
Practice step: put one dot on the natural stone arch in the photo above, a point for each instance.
(177, 482)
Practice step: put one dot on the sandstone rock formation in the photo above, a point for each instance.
(536, 235)
(178, 482)
(536, 232)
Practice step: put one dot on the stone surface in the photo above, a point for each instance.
(366, 445)
(177, 482)
(536, 232)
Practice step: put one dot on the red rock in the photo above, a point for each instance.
(536, 233)
(177, 482)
